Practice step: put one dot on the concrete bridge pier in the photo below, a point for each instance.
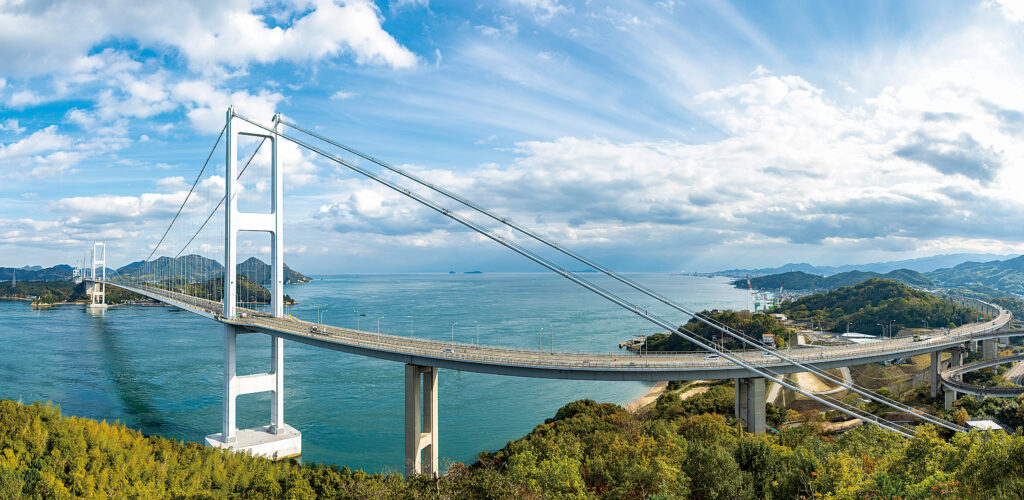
(750, 404)
(277, 440)
(933, 370)
(972, 346)
(950, 397)
(420, 420)
(988, 349)
(956, 358)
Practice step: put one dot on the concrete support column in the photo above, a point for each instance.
(420, 420)
(756, 405)
(230, 431)
(750, 403)
(933, 371)
(988, 349)
(972, 346)
(950, 396)
(277, 395)
(957, 358)
(740, 400)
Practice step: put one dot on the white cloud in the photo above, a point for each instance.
(400, 5)
(208, 34)
(1013, 10)
(40, 141)
(544, 9)
(11, 125)
(341, 95)
(26, 98)
(207, 104)
(176, 182)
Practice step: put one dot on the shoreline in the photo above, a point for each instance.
(647, 398)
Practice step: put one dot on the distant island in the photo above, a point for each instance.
(799, 280)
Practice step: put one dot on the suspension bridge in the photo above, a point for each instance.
(195, 266)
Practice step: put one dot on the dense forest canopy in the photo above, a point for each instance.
(877, 302)
(677, 449)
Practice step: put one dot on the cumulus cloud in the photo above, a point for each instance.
(226, 33)
(894, 172)
(11, 125)
(206, 103)
(376, 209)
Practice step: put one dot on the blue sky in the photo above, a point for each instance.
(652, 136)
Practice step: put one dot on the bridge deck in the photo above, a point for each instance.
(566, 365)
(949, 378)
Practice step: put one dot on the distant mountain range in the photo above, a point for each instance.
(202, 269)
(198, 268)
(36, 273)
(993, 278)
(921, 265)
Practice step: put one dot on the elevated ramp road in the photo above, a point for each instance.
(565, 365)
(950, 379)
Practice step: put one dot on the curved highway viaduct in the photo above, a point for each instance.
(953, 386)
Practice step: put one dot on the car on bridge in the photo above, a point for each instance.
(711, 357)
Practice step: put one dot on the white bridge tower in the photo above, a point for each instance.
(98, 290)
(276, 440)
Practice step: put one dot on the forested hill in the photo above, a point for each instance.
(799, 280)
(754, 325)
(876, 302)
(1003, 275)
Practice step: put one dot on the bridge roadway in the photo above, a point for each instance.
(950, 380)
(567, 365)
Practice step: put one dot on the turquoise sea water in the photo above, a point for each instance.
(158, 370)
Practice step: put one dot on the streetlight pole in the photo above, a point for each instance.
(477, 323)
(552, 338)
(453, 334)
(540, 341)
(357, 318)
